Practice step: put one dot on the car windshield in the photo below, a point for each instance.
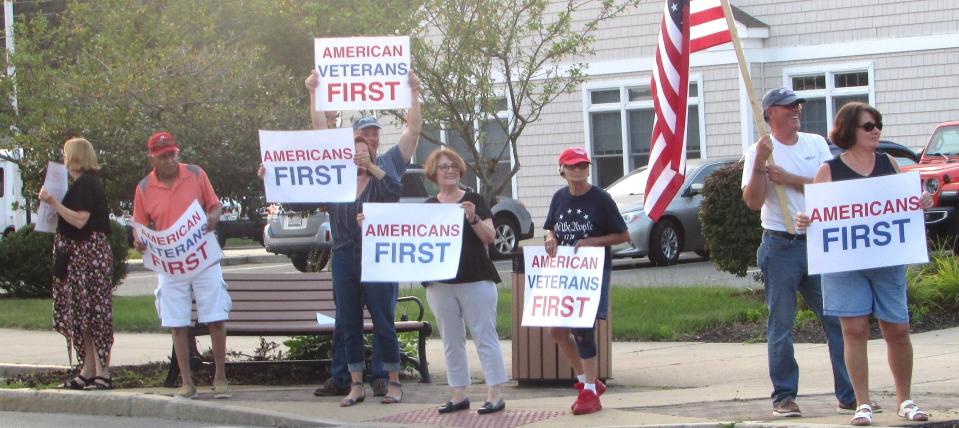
(632, 184)
(944, 142)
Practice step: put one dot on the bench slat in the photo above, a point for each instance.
(236, 278)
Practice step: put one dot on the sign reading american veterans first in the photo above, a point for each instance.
(562, 291)
(182, 250)
(865, 223)
(363, 73)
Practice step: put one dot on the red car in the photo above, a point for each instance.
(939, 169)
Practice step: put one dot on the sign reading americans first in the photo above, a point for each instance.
(308, 166)
(363, 73)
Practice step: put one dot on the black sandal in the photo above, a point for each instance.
(78, 383)
(392, 399)
(101, 383)
(349, 402)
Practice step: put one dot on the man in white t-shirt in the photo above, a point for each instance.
(782, 255)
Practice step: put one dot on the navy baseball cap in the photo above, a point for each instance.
(365, 122)
(781, 97)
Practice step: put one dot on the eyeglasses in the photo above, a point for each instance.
(793, 106)
(580, 166)
(447, 167)
(869, 126)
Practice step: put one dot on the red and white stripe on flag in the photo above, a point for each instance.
(670, 89)
(707, 25)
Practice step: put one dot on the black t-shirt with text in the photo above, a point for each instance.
(591, 214)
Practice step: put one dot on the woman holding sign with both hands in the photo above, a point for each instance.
(583, 215)
(853, 296)
(470, 298)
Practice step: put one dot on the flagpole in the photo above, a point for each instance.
(757, 111)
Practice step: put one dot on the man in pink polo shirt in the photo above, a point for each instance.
(161, 198)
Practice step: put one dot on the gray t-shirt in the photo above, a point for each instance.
(346, 233)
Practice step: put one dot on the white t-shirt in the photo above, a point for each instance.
(802, 159)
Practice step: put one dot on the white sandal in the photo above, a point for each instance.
(911, 412)
(864, 411)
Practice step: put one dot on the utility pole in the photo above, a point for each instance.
(8, 29)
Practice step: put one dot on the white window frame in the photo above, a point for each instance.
(624, 106)
(830, 70)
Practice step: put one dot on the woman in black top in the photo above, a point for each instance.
(469, 299)
(881, 292)
(83, 266)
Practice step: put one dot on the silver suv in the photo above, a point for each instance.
(306, 238)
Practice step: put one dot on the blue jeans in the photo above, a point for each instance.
(338, 370)
(380, 300)
(784, 268)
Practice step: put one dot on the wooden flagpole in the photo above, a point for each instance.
(757, 110)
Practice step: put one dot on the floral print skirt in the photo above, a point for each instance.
(83, 300)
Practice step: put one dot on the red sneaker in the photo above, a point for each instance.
(586, 403)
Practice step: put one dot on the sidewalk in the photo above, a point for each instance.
(654, 384)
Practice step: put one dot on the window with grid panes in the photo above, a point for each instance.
(628, 110)
(825, 93)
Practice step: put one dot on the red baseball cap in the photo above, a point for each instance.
(160, 143)
(574, 156)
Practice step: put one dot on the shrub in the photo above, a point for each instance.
(731, 230)
(27, 259)
(935, 284)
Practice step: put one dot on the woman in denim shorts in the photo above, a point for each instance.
(855, 295)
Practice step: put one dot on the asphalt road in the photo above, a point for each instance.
(691, 270)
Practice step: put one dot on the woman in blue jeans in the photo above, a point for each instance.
(855, 295)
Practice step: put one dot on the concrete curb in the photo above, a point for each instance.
(10, 370)
(136, 265)
(152, 406)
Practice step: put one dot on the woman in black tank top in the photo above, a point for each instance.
(855, 295)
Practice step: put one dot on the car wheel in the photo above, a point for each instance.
(313, 261)
(507, 237)
(664, 243)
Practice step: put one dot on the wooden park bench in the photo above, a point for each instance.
(286, 305)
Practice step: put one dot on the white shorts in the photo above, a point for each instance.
(174, 302)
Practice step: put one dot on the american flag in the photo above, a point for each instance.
(688, 26)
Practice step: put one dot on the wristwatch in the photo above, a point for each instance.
(475, 220)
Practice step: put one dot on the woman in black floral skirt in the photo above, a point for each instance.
(83, 266)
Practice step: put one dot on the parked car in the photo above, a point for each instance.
(306, 238)
(938, 169)
(904, 155)
(678, 229)
(237, 221)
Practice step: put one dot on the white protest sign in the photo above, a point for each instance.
(411, 242)
(182, 250)
(308, 166)
(562, 291)
(865, 223)
(324, 320)
(363, 73)
(55, 184)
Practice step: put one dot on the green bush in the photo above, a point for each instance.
(731, 230)
(935, 284)
(27, 259)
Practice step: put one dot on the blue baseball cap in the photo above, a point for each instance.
(366, 122)
(781, 97)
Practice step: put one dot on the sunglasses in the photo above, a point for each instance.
(869, 126)
(582, 165)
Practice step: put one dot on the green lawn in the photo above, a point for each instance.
(638, 313)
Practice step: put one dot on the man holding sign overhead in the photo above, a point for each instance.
(583, 215)
(378, 180)
(161, 199)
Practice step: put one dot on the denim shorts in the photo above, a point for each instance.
(877, 291)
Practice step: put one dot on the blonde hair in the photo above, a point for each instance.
(434, 158)
(78, 154)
